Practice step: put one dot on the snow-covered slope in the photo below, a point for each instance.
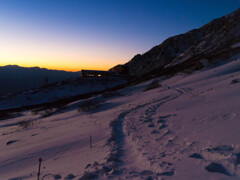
(188, 128)
(59, 91)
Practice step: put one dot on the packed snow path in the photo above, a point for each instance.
(124, 160)
(134, 161)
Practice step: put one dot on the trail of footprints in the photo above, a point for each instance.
(158, 130)
(217, 158)
(223, 159)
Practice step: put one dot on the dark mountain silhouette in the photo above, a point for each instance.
(14, 78)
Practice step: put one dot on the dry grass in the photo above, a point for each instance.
(25, 124)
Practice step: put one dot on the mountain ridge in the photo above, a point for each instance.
(214, 38)
(14, 78)
(34, 67)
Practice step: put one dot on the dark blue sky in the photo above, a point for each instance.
(95, 33)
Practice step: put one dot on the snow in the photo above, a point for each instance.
(188, 128)
(236, 45)
(62, 90)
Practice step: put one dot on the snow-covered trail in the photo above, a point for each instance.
(125, 158)
(136, 162)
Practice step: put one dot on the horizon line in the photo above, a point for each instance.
(54, 69)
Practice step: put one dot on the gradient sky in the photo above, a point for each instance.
(95, 34)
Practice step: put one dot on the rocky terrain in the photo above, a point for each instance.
(215, 41)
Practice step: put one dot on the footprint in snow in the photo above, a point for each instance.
(88, 166)
(221, 151)
(151, 125)
(11, 142)
(223, 148)
(146, 172)
(165, 117)
(69, 177)
(217, 168)
(162, 126)
(57, 176)
(161, 121)
(196, 155)
(168, 173)
(155, 132)
(148, 120)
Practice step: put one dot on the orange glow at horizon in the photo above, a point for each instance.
(59, 56)
(64, 67)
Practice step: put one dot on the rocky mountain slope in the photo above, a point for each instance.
(215, 41)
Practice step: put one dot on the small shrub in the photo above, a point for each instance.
(234, 81)
(198, 66)
(25, 124)
(61, 107)
(47, 113)
(188, 71)
(49, 110)
(88, 105)
(35, 112)
(154, 84)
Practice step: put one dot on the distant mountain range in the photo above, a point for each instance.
(14, 78)
(215, 41)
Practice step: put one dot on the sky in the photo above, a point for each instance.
(95, 34)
